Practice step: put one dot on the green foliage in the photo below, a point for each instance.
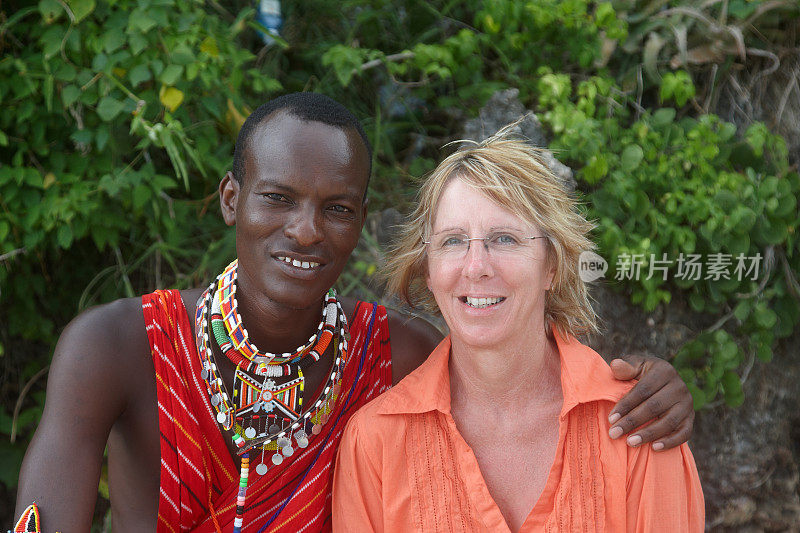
(677, 86)
(669, 188)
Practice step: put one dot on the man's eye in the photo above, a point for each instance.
(341, 209)
(275, 197)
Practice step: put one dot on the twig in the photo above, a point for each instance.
(91, 81)
(721, 322)
(749, 366)
(639, 91)
(123, 271)
(377, 62)
(12, 253)
(776, 63)
(794, 286)
(714, 69)
(785, 98)
(769, 263)
(21, 397)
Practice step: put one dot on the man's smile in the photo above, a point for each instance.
(298, 263)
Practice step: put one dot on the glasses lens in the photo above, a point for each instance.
(451, 243)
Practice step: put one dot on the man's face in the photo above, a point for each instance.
(300, 208)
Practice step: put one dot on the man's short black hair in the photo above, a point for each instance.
(310, 107)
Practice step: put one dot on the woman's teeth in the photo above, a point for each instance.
(480, 303)
(299, 264)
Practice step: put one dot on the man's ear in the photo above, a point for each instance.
(228, 196)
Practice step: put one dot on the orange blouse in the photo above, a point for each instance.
(403, 466)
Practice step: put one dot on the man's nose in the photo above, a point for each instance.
(305, 226)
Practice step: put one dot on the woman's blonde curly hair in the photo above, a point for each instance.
(513, 174)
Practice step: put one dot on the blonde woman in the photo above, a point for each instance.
(505, 426)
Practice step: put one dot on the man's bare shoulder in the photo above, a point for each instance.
(100, 372)
(413, 339)
(116, 327)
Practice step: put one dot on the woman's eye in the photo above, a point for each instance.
(452, 241)
(505, 239)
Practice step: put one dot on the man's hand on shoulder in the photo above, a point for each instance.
(87, 391)
(660, 399)
(412, 339)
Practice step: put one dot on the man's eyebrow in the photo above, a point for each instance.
(266, 183)
(352, 197)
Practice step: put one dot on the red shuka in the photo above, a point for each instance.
(199, 480)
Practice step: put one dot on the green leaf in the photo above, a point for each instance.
(732, 386)
(182, 55)
(764, 353)
(51, 40)
(137, 42)
(663, 117)
(108, 108)
(101, 137)
(66, 72)
(698, 396)
(4, 230)
(64, 236)
(139, 74)
(50, 10)
(81, 8)
(112, 40)
(764, 316)
(171, 74)
(742, 310)
(344, 60)
(141, 21)
(141, 194)
(631, 157)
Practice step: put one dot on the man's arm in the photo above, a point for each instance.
(412, 340)
(660, 399)
(86, 394)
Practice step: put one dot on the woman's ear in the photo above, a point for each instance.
(228, 197)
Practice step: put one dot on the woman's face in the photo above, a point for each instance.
(487, 297)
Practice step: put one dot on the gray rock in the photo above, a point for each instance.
(502, 109)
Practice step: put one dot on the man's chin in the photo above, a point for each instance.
(293, 301)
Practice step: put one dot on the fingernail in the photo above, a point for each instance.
(634, 440)
(614, 417)
(615, 432)
(658, 446)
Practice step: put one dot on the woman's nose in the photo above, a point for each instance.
(477, 262)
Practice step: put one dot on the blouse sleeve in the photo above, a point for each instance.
(357, 500)
(664, 492)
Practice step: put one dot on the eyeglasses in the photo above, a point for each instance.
(497, 243)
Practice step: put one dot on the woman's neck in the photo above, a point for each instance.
(523, 372)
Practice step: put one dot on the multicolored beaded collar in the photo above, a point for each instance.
(264, 413)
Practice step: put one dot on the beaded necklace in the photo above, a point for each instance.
(265, 414)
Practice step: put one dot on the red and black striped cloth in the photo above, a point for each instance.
(199, 479)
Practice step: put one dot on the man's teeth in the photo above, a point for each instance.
(482, 302)
(299, 264)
